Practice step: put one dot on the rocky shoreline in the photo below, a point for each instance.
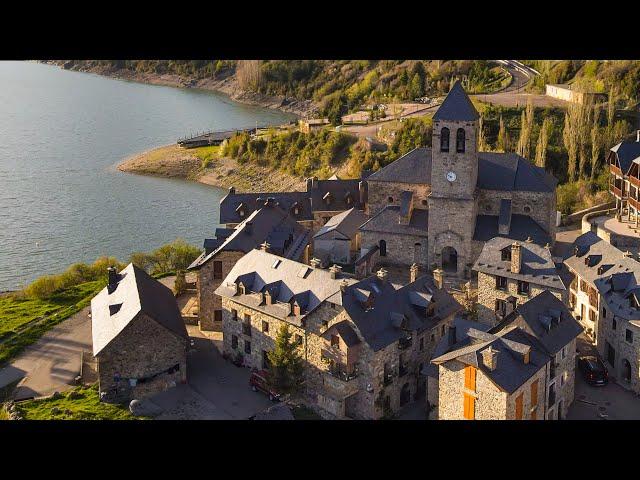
(227, 85)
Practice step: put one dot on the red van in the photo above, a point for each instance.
(258, 382)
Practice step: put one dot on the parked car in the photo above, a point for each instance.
(258, 381)
(593, 370)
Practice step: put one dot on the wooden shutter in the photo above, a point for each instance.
(534, 393)
(519, 407)
(470, 378)
(469, 407)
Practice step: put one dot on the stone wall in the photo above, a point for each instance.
(142, 349)
(564, 381)
(206, 285)
(401, 249)
(382, 194)
(488, 294)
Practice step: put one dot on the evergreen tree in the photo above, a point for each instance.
(285, 362)
(526, 127)
(482, 139)
(543, 142)
(503, 137)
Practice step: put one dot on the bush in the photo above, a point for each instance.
(180, 284)
(172, 257)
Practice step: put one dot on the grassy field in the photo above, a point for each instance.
(81, 403)
(23, 320)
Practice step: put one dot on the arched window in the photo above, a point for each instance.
(444, 140)
(460, 140)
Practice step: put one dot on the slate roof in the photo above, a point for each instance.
(344, 330)
(521, 228)
(534, 317)
(136, 292)
(598, 253)
(270, 223)
(249, 202)
(511, 172)
(496, 171)
(537, 263)
(627, 151)
(457, 106)
(378, 309)
(511, 372)
(345, 223)
(287, 281)
(412, 167)
(387, 221)
(339, 191)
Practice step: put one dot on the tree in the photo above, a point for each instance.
(526, 126)
(285, 362)
(570, 140)
(180, 283)
(482, 139)
(543, 142)
(596, 143)
(503, 137)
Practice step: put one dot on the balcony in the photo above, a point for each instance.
(405, 342)
(246, 329)
(615, 191)
(340, 372)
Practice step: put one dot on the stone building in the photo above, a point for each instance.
(364, 343)
(522, 369)
(605, 293)
(446, 201)
(270, 225)
(338, 241)
(568, 93)
(624, 177)
(509, 273)
(139, 338)
(322, 200)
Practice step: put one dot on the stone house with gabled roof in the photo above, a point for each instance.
(338, 241)
(521, 369)
(364, 342)
(510, 273)
(460, 197)
(269, 227)
(605, 294)
(138, 335)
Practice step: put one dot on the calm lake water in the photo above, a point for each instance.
(61, 198)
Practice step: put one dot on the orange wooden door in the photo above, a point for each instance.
(519, 407)
(470, 378)
(469, 407)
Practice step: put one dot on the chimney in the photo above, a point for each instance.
(452, 334)
(382, 274)
(438, 278)
(516, 257)
(529, 240)
(232, 190)
(265, 246)
(309, 184)
(314, 182)
(627, 254)
(490, 358)
(113, 279)
(414, 270)
(343, 285)
(335, 271)
(269, 202)
(512, 304)
(362, 190)
(315, 262)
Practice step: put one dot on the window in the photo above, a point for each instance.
(265, 360)
(501, 283)
(433, 337)
(421, 343)
(470, 378)
(217, 315)
(460, 140)
(325, 324)
(506, 254)
(444, 140)
(297, 339)
(614, 324)
(519, 407)
(527, 209)
(247, 318)
(234, 342)
(469, 407)
(335, 341)
(523, 287)
(552, 394)
(604, 312)
(217, 269)
(265, 326)
(234, 314)
(390, 199)
(564, 352)
(247, 347)
(534, 393)
(501, 307)
(629, 336)
(443, 330)
(611, 354)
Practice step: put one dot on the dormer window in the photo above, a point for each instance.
(335, 341)
(241, 288)
(460, 140)
(444, 140)
(506, 254)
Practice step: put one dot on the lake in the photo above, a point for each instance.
(61, 198)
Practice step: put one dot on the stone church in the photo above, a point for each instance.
(438, 206)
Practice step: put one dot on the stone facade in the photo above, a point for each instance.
(488, 293)
(207, 281)
(145, 351)
(562, 383)
(381, 194)
(401, 250)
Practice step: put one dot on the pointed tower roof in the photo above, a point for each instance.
(457, 106)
